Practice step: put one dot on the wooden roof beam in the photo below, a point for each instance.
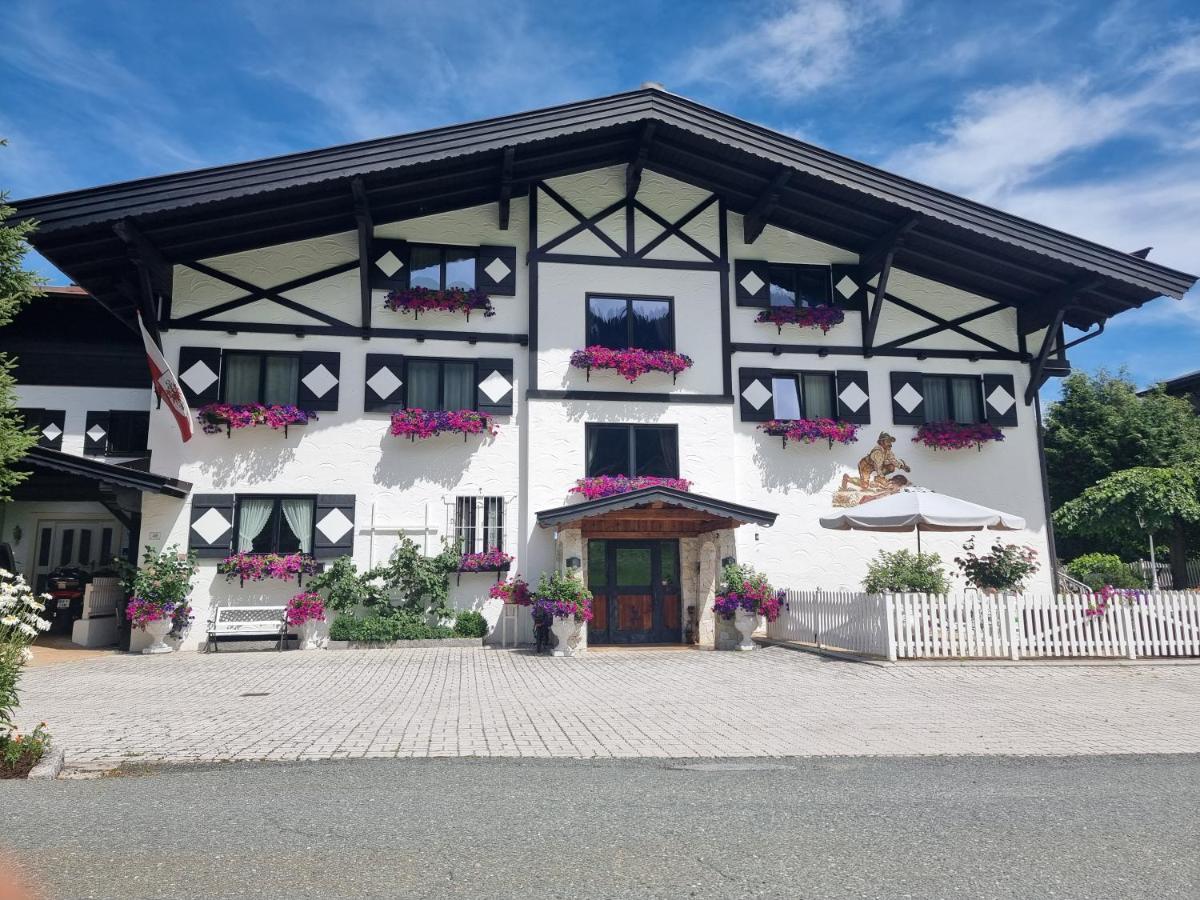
(366, 234)
(880, 253)
(506, 185)
(756, 219)
(633, 172)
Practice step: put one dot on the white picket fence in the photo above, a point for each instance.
(974, 626)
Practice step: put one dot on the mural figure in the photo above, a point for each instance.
(878, 475)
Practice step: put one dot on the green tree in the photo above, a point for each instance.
(17, 287)
(1132, 502)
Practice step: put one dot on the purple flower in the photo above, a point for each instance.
(631, 363)
(214, 417)
(607, 485)
(261, 566)
(423, 423)
(493, 560)
(418, 300)
(810, 430)
(956, 436)
(823, 317)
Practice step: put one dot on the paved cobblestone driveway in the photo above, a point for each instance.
(448, 702)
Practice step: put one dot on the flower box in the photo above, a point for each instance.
(261, 566)
(631, 363)
(607, 485)
(811, 430)
(425, 423)
(214, 417)
(956, 436)
(515, 591)
(453, 300)
(493, 560)
(823, 317)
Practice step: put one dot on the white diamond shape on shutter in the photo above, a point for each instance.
(495, 386)
(756, 394)
(384, 383)
(752, 283)
(334, 525)
(319, 381)
(211, 526)
(854, 397)
(846, 287)
(1000, 400)
(908, 398)
(198, 376)
(96, 432)
(51, 431)
(389, 264)
(497, 270)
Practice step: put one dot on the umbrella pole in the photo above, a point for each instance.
(918, 542)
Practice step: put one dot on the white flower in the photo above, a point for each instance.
(43, 624)
(10, 620)
(27, 629)
(34, 604)
(26, 655)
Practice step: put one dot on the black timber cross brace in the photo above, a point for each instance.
(366, 233)
(676, 228)
(154, 274)
(755, 220)
(633, 172)
(943, 324)
(584, 223)
(1060, 301)
(506, 186)
(877, 260)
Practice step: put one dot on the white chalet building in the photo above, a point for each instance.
(641, 220)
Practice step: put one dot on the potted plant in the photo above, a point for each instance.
(632, 363)
(811, 430)
(417, 300)
(823, 317)
(956, 435)
(606, 485)
(261, 566)
(745, 596)
(303, 613)
(159, 591)
(1006, 568)
(567, 604)
(215, 417)
(419, 424)
(515, 591)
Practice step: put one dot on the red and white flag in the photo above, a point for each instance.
(166, 385)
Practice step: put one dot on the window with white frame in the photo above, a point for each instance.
(478, 523)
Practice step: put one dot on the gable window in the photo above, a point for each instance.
(275, 524)
(799, 285)
(440, 384)
(478, 523)
(267, 378)
(950, 398)
(441, 268)
(128, 432)
(803, 395)
(623, 323)
(632, 450)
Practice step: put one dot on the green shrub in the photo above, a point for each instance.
(396, 626)
(470, 624)
(906, 572)
(1098, 569)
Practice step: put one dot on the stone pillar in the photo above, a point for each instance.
(706, 591)
(571, 543)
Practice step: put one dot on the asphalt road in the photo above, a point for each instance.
(446, 828)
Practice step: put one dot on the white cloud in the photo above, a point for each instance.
(796, 48)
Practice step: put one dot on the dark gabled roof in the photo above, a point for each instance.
(194, 215)
(644, 496)
(105, 472)
(1187, 383)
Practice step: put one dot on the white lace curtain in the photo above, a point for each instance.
(253, 516)
(299, 517)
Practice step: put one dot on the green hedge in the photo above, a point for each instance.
(396, 627)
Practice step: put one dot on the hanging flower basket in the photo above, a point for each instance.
(607, 485)
(955, 436)
(514, 590)
(823, 317)
(217, 417)
(631, 363)
(493, 560)
(811, 430)
(261, 566)
(426, 423)
(453, 300)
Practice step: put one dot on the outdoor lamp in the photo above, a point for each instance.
(574, 562)
(728, 561)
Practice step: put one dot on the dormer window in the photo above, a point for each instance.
(626, 323)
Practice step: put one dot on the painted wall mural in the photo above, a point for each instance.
(880, 474)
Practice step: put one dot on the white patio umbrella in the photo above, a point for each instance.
(920, 511)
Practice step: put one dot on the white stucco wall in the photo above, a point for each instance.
(77, 402)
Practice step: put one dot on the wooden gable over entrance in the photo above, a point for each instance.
(654, 512)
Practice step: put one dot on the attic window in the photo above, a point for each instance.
(442, 268)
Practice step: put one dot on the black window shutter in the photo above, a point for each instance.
(496, 271)
(1000, 400)
(494, 390)
(389, 264)
(48, 423)
(95, 433)
(751, 282)
(200, 374)
(210, 529)
(384, 388)
(754, 395)
(848, 291)
(320, 377)
(908, 402)
(334, 520)
(853, 397)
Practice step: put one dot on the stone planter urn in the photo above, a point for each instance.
(745, 623)
(567, 634)
(158, 630)
(306, 636)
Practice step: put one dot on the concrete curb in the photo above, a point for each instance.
(405, 645)
(823, 651)
(49, 766)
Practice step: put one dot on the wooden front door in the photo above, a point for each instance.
(635, 585)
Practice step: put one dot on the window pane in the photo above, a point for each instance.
(106, 538)
(239, 372)
(85, 546)
(786, 397)
(493, 522)
(44, 547)
(127, 431)
(423, 385)
(283, 379)
(426, 271)
(965, 393)
(597, 574)
(937, 404)
(818, 397)
(608, 450)
(464, 525)
(67, 547)
(633, 566)
(783, 285)
(652, 325)
(812, 286)
(668, 551)
(298, 514)
(607, 322)
(460, 268)
(655, 452)
(264, 541)
(459, 390)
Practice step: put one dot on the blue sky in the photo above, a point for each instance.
(1083, 115)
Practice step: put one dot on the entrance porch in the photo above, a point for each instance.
(652, 559)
